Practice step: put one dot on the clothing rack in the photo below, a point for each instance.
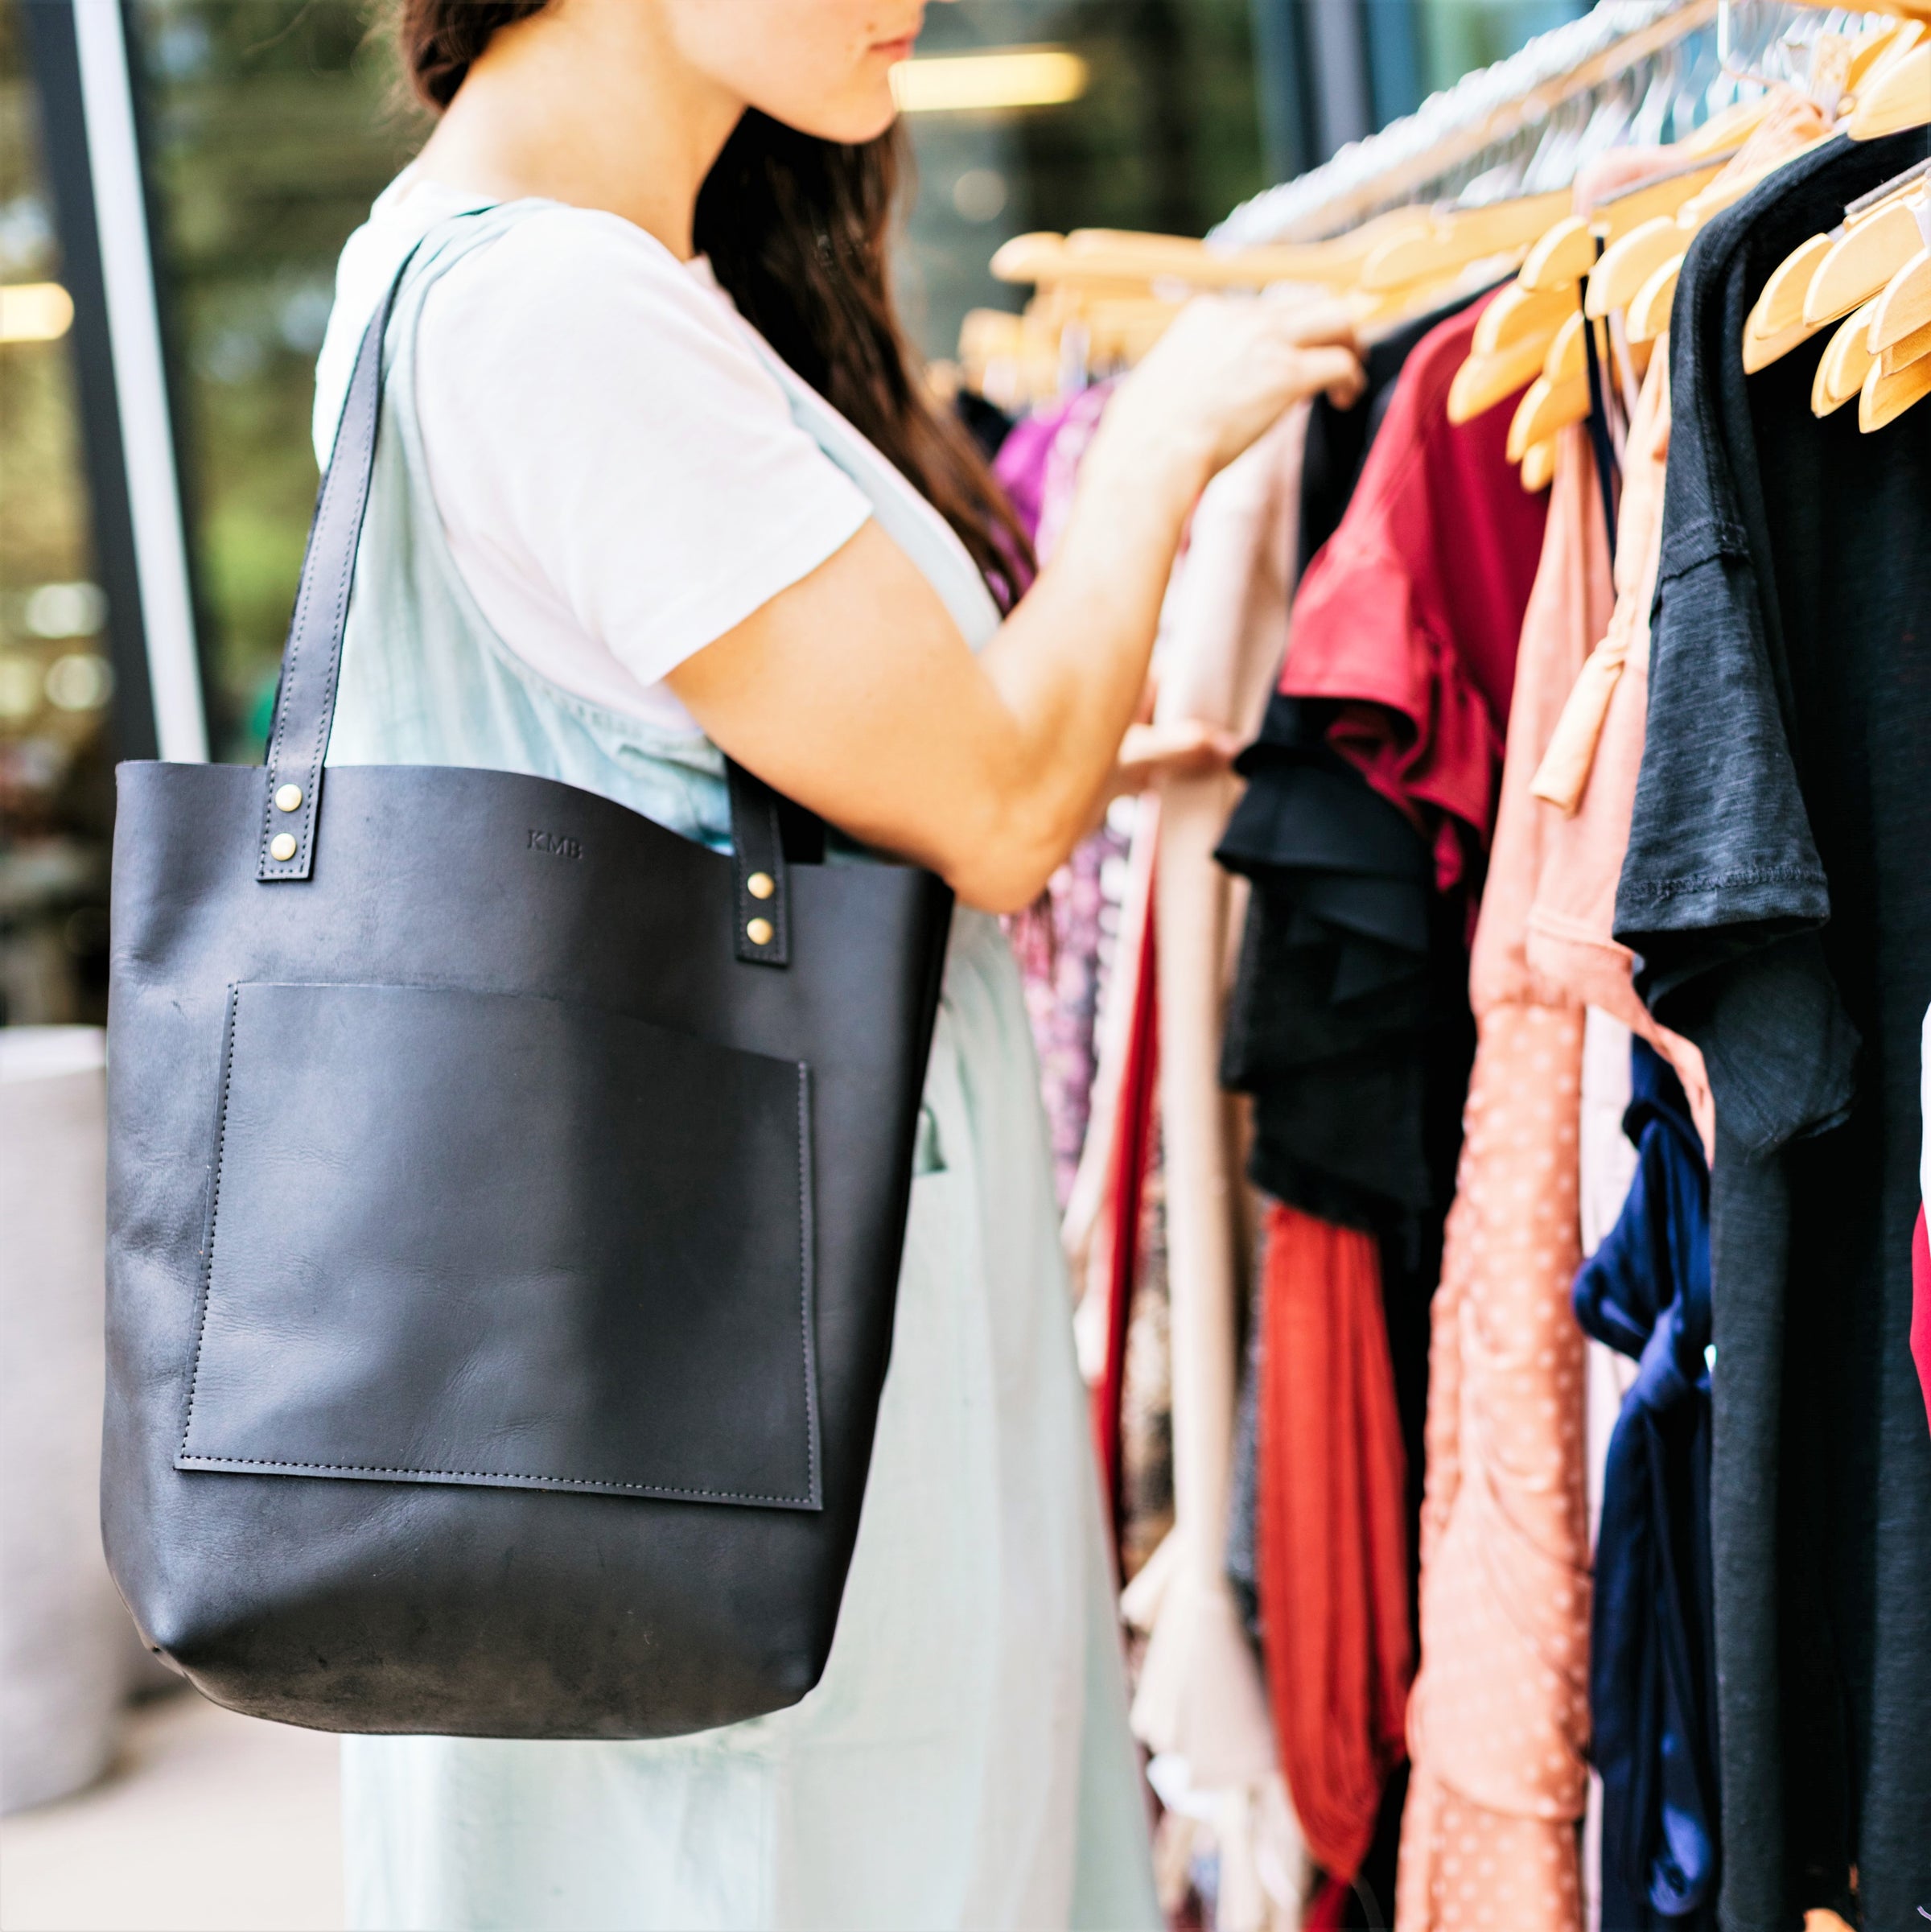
(1328, 1312)
(1443, 143)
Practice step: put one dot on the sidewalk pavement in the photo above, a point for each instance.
(209, 1823)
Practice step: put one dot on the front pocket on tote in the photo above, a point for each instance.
(487, 1239)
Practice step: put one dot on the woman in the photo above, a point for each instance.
(617, 524)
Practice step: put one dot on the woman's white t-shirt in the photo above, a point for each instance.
(618, 473)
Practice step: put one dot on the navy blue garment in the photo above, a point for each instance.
(1652, 1686)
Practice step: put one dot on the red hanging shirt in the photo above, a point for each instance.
(1410, 614)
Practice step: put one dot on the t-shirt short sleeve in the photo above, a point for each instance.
(1723, 892)
(602, 432)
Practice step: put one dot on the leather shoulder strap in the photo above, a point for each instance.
(763, 898)
(311, 662)
(311, 670)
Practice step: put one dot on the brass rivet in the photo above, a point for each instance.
(760, 885)
(761, 931)
(289, 798)
(282, 847)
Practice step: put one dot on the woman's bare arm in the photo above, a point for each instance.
(853, 692)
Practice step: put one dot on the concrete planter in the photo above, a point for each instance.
(69, 1655)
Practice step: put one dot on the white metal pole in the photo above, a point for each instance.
(133, 321)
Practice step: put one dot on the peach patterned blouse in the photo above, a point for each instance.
(1588, 773)
(1498, 1719)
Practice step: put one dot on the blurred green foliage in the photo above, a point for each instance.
(273, 124)
(1458, 35)
(43, 534)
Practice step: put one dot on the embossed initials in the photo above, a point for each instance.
(555, 843)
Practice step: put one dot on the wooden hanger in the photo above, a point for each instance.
(1630, 246)
(1629, 263)
(1913, 347)
(1483, 381)
(1896, 96)
(1103, 296)
(1731, 188)
(1545, 408)
(1112, 284)
(1828, 276)
(1845, 363)
(1565, 357)
(1874, 246)
(1566, 253)
(1123, 257)
(1519, 314)
(1559, 395)
(1012, 361)
(1888, 375)
(1885, 43)
(1889, 368)
(1648, 315)
(1850, 365)
(1905, 305)
(1454, 238)
(1888, 393)
(1781, 301)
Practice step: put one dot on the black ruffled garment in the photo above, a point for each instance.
(1349, 1021)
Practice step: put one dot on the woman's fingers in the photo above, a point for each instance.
(1318, 322)
(1183, 748)
(1337, 372)
(1219, 378)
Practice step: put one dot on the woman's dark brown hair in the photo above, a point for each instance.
(795, 228)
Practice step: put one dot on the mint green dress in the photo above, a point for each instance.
(965, 1761)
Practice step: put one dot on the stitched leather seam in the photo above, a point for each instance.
(758, 845)
(326, 713)
(808, 1499)
(298, 629)
(811, 1397)
(296, 632)
(214, 1213)
(572, 1482)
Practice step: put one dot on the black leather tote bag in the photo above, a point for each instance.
(505, 1204)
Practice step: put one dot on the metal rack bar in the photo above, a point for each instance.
(1481, 111)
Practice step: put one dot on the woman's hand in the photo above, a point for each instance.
(1219, 378)
(854, 693)
(1185, 747)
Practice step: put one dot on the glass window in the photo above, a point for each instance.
(1457, 35)
(56, 688)
(1162, 132)
(273, 124)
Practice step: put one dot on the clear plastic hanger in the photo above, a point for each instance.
(1552, 164)
(1751, 45)
(1652, 115)
(1763, 47)
(1699, 70)
(1609, 125)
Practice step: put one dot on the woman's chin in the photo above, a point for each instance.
(852, 121)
